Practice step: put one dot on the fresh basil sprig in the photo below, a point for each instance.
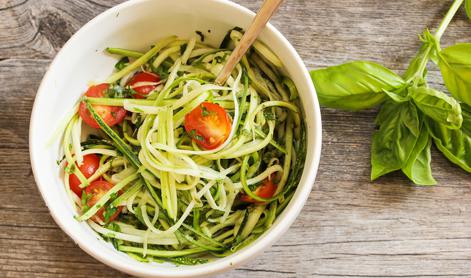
(411, 112)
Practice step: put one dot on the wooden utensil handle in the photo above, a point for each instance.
(263, 15)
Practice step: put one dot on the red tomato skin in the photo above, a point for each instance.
(98, 188)
(213, 128)
(111, 115)
(266, 190)
(90, 164)
(143, 91)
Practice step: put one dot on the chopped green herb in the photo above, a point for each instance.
(109, 212)
(269, 115)
(254, 186)
(227, 38)
(161, 71)
(114, 227)
(122, 63)
(220, 59)
(117, 91)
(113, 196)
(204, 111)
(188, 261)
(85, 198)
(70, 169)
(199, 137)
(183, 48)
(200, 34)
(195, 135)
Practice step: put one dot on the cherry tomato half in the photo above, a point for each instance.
(208, 125)
(90, 164)
(143, 83)
(111, 115)
(97, 189)
(266, 190)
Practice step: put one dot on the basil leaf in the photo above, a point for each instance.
(122, 63)
(354, 86)
(467, 6)
(455, 65)
(417, 167)
(399, 129)
(455, 144)
(438, 106)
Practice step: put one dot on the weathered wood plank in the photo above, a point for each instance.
(349, 226)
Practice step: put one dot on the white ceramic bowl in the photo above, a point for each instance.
(137, 25)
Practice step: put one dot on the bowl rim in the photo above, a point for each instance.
(217, 266)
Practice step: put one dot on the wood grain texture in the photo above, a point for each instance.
(349, 227)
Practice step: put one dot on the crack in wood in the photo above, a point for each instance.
(98, 4)
(266, 270)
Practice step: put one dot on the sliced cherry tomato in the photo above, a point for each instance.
(90, 164)
(95, 191)
(208, 125)
(266, 190)
(143, 83)
(111, 115)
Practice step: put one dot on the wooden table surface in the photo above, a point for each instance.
(350, 227)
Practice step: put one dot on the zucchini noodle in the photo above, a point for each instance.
(171, 198)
